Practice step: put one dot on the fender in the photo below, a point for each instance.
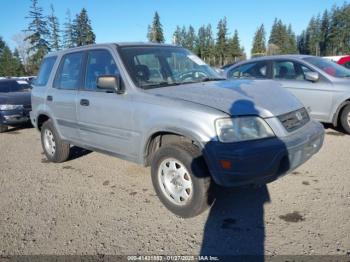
(336, 114)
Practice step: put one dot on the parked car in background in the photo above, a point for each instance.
(343, 60)
(15, 103)
(162, 106)
(321, 85)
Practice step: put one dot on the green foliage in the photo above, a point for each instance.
(259, 42)
(38, 35)
(68, 40)
(328, 34)
(10, 64)
(81, 29)
(54, 31)
(282, 39)
(155, 32)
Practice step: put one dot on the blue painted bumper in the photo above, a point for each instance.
(262, 161)
(14, 117)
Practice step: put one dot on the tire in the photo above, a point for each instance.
(54, 148)
(180, 169)
(3, 128)
(345, 119)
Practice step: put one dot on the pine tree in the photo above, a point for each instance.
(68, 39)
(177, 37)
(259, 42)
(190, 40)
(280, 39)
(292, 41)
(19, 67)
(82, 30)
(221, 42)
(235, 51)
(10, 64)
(325, 28)
(54, 28)
(155, 32)
(38, 33)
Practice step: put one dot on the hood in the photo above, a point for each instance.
(264, 98)
(15, 98)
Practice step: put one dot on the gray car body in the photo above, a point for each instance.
(124, 124)
(324, 99)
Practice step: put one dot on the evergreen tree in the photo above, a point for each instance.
(10, 64)
(221, 42)
(38, 33)
(155, 32)
(54, 28)
(68, 39)
(292, 41)
(259, 42)
(234, 49)
(82, 30)
(19, 67)
(325, 30)
(190, 40)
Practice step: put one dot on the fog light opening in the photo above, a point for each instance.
(226, 164)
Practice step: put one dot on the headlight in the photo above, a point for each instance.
(10, 107)
(242, 129)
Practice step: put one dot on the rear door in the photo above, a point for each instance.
(316, 96)
(62, 98)
(106, 118)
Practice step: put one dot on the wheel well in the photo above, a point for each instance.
(41, 120)
(339, 112)
(160, 139)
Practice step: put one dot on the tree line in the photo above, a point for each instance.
(222, 48)
(326, 34)
(43, 35)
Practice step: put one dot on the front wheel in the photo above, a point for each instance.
(181, 179)
(345, 119)
(54, 148)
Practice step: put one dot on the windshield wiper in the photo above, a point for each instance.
(207, 79)
(160, 84)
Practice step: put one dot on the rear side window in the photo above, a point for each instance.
(45, 71)
(70, 71)
(347, 65)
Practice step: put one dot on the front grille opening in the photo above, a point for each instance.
(295, 119)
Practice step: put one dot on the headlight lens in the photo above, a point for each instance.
(242, 129)
(10, 107)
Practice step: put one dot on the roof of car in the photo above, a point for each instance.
(110, 44)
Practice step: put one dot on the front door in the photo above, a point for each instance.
(105, 118)
(316, 96)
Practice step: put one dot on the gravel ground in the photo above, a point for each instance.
(97, 204)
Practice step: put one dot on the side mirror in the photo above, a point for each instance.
(312, 76)
(110, 83)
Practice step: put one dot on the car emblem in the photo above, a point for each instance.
(298, 116)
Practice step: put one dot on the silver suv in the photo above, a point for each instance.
(162, 106)
(321, 85)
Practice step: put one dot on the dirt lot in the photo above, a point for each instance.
(97, 204)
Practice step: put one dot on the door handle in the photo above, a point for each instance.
(49, 98)
(84, 102)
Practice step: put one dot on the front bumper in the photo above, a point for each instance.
(14, 117)
(262, 161)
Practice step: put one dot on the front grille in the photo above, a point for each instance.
(294, 120)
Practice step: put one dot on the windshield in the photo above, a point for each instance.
(158, 66)
(329, 67)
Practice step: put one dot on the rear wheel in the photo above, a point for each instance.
(345, 119)
(54, 148)
(181, 179)
(3, 128)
